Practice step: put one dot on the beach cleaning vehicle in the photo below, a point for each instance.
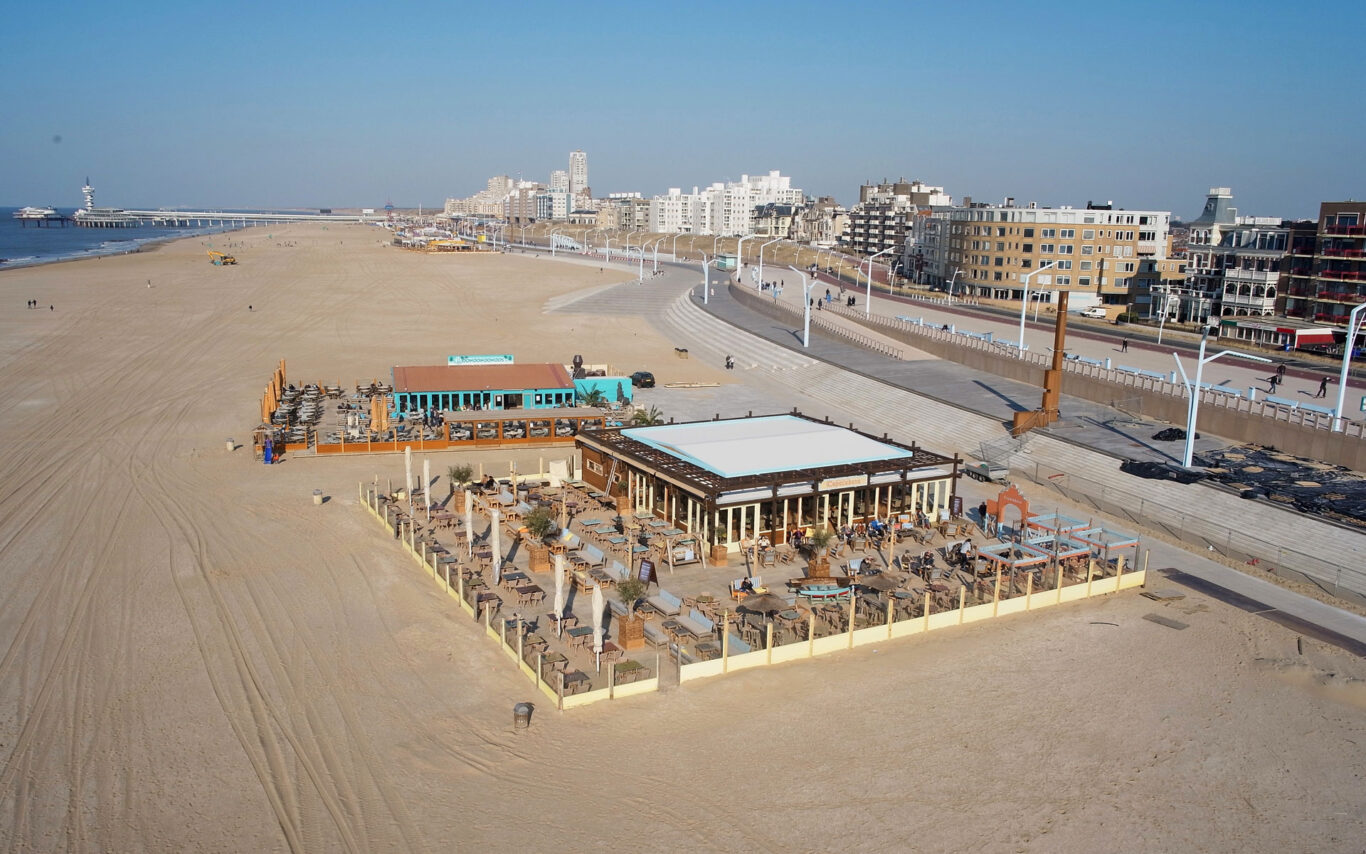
(218, 259)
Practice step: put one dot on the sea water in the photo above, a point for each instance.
(25, 245)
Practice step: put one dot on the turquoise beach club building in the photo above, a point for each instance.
(495, 382)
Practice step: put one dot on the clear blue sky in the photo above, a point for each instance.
(354, 104)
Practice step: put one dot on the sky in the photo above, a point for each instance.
(342, 104)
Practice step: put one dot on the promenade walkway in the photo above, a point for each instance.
(952, 408)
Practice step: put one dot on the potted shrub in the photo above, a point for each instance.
(818, 564)
(459, 475)
(621, 495)
(539, 524)
(631, 628)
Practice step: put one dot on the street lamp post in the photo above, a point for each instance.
(713, 245)
(761, 259)
(806, 304)
(868, 309)
(522, 235)
(1194, 389)
(706, 280)
(1353, 327)
(553, 244)
(673, 249)
(1024, 299)
(1162, 319)
(956, 271)
(654, 262)
(739, 252)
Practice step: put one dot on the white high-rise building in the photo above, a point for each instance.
(723, 208)
(578, 172)
(559, 181)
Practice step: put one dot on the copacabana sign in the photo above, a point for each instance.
(486, 359)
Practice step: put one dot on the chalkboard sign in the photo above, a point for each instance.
(646, 573)
(956, 506)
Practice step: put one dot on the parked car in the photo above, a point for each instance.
(643, 379)
(1095, 311)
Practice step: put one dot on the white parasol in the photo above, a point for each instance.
(559, 591)
(496, 538)
(427, 486)
(597, 623)
(469, 523)
(408, 475)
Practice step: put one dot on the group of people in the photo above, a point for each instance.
(33, 303)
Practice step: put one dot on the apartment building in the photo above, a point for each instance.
(486, 202)
(987, 250)
(1327, 270)
(722, 208)
(820, 223)
(578, 173)
(1235, 263)
(885, 213)
(559, 181)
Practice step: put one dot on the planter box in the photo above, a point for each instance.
(538, 556)
(719, 555)
(630, 632)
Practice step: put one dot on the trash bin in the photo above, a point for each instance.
(232, 446)
(521, 716)
(317, 496)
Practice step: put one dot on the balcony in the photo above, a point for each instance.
(1343, 275)
(1344, 253)
(1347, 230)
(1338, 296)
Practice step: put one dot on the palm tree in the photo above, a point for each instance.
(647, 417)
(593, 397)
(459, 475)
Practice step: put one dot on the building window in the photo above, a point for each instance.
(1086, 265)
(1087, 249)
(1029, 232)
(1063, 280)
(1088, 234)
(1048, 232)
(1045, 249)
(1000, 262)
(1064, 265)
(1084, 281)
(1065, 249)
(1068, 233)
(592, 465)
(1026, 263)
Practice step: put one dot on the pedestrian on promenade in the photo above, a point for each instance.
(1323, 388)
(1280, 371)
(1273, 379)
(1124, 346)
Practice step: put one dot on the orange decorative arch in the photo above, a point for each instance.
(1009, 497)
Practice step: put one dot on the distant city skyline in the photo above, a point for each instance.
(1058, 103)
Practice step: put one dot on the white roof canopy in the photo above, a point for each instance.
(751, 446)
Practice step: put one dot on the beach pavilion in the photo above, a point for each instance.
(725, 480)
(481, 386)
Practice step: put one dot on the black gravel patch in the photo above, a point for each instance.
(1333, 492)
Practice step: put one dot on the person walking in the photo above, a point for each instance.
(1280, 371)
(1124, 346)
(1323, 388)
(1273, 380)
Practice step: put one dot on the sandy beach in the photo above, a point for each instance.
(196, 658)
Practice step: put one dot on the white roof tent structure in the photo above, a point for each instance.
(776, 471)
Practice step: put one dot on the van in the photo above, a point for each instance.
(1095, 311)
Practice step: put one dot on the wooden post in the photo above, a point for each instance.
(448, 578)
(561, 700)
(1029, 589)
(1119, 571)
(460, 586)
(520, 648)
(725, 642)
(811, 635)
(925, 617)
(962, 603)
(1145, 567)
(890, 605)
(1057, 599)
(1090, 574)
(768, 643)
(996, 592)
(540, 666)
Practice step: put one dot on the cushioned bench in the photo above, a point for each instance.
(665, 603)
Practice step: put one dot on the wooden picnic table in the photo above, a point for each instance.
(708, 650)
(533, 643)
(569, 620)
(630, 670)
(575, 682)
(610, 652)
(579, 635)
(530, 594)
(555, 660)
